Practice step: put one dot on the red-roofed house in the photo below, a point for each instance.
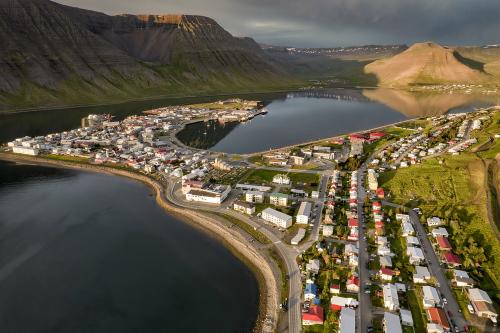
(376, 135)
(357, 137)
(353, 223)
(451, 259)
(443, 243)
(337, 141)
(376, 206)
(386, 274)
(353, 234)
(314, 316)
(352, 284)
(380, 193)
(335, 289)
(438, 316)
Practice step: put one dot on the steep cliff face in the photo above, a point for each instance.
(56, 54)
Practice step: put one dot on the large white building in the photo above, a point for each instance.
(214, 194)
(304, 212)
(372, 180)
(25, 150)
(282, 220)
(281, 179)
(254, 196)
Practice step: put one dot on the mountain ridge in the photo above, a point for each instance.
(55, 54)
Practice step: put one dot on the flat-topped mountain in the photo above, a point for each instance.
(53, 54)
(425, 63)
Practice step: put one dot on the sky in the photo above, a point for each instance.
(332, 23)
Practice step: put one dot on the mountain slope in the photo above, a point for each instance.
(424, 63)
(53, 54)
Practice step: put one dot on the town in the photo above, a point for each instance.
(364, 263)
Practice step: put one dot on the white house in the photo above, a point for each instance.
(407, 229)
(415, 255)
(304, 212)
(383, 250)
(406, 317)
(421, 275)
(482, 304)
(430, 297)
(391, 299)
(462, 279)
(282, 220)
(244, 207)
(434, 221)
(281, 179)
(412, 240)
(392, 323)
(327, 230)
(439, 232)
(313, 266)
(254, 196)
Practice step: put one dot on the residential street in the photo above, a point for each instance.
(435, 269)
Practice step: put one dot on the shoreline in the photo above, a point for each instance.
(143, 99)
(232, 240)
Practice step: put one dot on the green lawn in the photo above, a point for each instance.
(260, 176)
(416, 311)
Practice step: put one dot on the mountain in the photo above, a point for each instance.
(426, 63)
(53, 54)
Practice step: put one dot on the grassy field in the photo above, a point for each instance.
(246, 227)
(453, 190)
(258, 176)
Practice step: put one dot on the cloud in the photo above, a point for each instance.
(325, 23)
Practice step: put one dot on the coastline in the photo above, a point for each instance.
(233, 240)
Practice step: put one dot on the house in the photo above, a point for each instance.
(385, 261)
(434, 221)
(391, 299)
(412, 240)
(434, 328)
(462, 279)
(386, 274)
(254, 196)
(376, 206)
(310, 291)
(335, 289)
(438, 316)
(451, 259)
(282, 220)
(421, 275)
(278, 199)
(352, 284)
(406, 317)
(353, 223)
(298, 160)
(327, 230)
(337, 303)
(314, 316)
(443, 243)
(304, 212)
(381, 240)
(353, 260)
(313, 266)
(350, 249)
(383, 250)
(391, 323)
(244, 207)
(482, 304)
(281, 179)
(347, 322)
(380, 193)
(407, 229)
(439, 232)
(430, 297)
(415, 255)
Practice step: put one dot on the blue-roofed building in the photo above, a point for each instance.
(310, 292)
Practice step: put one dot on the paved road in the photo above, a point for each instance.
(288, 254)
(435, 269)
(364, 311)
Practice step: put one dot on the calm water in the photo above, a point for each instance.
(84, 252)
(290, 121)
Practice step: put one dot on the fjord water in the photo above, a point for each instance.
(85, 252)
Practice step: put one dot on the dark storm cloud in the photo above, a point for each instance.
(334, 22)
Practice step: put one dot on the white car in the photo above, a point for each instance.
(470, 308)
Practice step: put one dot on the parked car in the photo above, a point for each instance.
(470, 308)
